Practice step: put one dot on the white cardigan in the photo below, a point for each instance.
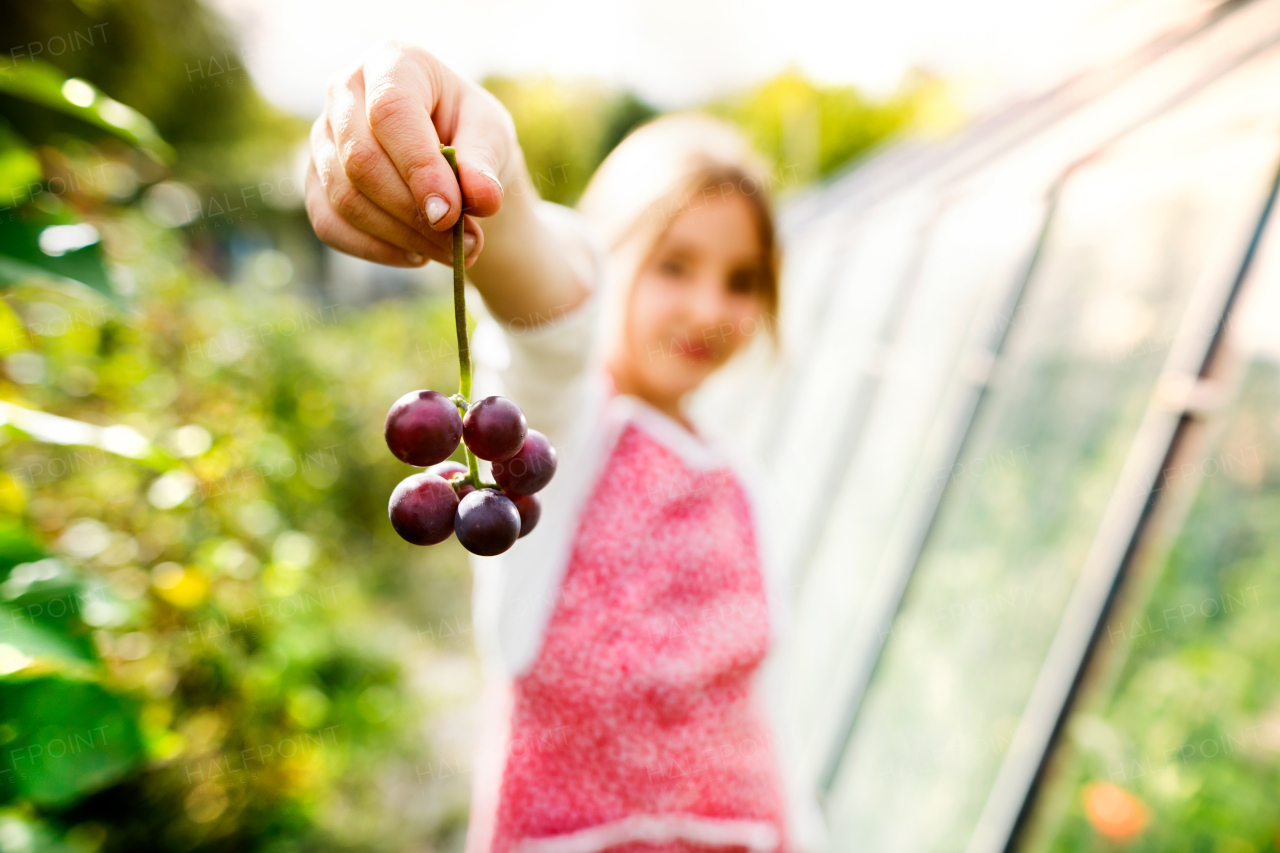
(554, 373)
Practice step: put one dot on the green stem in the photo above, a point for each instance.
(460, 312)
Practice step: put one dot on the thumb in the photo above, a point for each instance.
(481, 134)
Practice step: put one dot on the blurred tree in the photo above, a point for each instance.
(566, 128)
(805, 130)
(176, 63)
(811, 131)
(173, 61)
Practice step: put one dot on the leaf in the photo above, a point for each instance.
(21, 257)
(120, 439)
(17, 545)
(28, 649)
(58, 643)
(41, 83)
(19, 167)
(71, 737)
(20, 832)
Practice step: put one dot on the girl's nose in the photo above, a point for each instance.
(707, 302)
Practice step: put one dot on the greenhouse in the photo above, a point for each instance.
(1034, 394)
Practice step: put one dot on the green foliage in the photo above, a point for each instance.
(43, 84)
(71, 738)
(19, 166)
(566, 129)
(1184, 715)
(174, 62)
(806, 131)
(21, 255)
(810, 131)
(239, 623)
(170, 60)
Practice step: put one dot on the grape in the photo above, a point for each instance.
(494, 428)
(530, 469)
(423, 428)
(487, 522)
(422, 509)
(530, 509)
(449, 470)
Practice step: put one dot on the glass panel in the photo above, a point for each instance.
(973, 258)
(810, 259)
(852, 309)
(1131, 235)
(1180, 748)
(1173, 737)
(843, 348)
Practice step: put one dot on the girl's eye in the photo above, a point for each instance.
(742, 282)
(673, 267)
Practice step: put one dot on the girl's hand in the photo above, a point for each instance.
(378, 187)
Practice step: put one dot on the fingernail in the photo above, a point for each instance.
(468, 243)
(491, 176)
(413, 258)
(436, 208)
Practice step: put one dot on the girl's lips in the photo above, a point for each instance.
(699, 352)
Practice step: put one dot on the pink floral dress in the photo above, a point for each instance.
(635, 726)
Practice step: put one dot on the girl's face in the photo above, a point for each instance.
(696, 298)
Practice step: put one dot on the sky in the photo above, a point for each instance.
(675, 53)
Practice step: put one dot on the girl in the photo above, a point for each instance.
(623, 638)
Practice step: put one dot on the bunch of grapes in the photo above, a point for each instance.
(423, 428)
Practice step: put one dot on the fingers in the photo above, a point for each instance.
(481, 123)
(345, 237)
(339, 233)
(378, 187)
(403, 88)
(362, 158)
(352, 205)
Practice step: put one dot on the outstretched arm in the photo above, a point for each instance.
(378, 187)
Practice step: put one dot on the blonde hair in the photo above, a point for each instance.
(673, 164)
